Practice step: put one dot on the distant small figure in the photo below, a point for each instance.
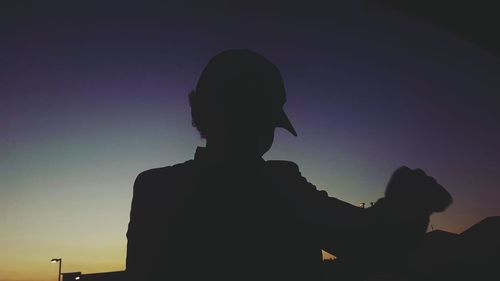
(252, 219)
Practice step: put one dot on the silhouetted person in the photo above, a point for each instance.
(230, 215)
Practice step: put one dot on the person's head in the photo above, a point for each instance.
(238, 101)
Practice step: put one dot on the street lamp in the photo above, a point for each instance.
(59, 260)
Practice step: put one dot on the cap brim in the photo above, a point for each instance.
(283, 122)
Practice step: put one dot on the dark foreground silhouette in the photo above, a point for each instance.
(441, 256)
(472, 255)
(229, 215)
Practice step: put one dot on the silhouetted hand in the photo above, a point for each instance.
(418, 191)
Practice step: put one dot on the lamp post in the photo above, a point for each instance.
(59, 260)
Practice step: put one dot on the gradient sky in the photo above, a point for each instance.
(92, 94)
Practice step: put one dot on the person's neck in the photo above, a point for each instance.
(230, 151)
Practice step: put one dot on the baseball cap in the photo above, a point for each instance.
(242, 76)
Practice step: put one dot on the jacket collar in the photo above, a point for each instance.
(204, 154)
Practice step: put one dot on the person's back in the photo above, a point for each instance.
(219, 218)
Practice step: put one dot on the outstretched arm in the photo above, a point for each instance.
(376, 235)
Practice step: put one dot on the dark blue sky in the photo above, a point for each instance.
(93, 94)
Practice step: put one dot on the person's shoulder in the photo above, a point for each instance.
(164, 173)
(287, 175)
(283, 170)
(282, 166)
